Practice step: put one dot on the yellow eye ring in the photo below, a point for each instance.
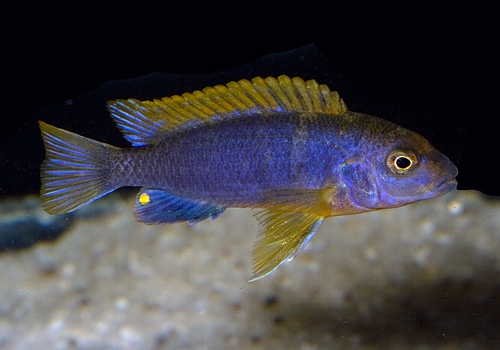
(402, 162)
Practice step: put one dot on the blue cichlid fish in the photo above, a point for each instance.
(285, 145)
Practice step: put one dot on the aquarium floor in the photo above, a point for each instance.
(424, 276)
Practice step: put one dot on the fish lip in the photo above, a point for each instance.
(444, 183)
(446, 179)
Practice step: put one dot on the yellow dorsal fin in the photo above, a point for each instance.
(144, 122)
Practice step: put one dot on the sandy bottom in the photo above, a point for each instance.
(425, 276)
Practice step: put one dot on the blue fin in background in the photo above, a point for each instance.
(154, 206)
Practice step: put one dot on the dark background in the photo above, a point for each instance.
(436, 75)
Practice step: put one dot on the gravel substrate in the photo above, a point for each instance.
(424, 276)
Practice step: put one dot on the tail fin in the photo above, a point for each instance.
(74, 172)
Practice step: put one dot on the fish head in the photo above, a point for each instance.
(400, 170)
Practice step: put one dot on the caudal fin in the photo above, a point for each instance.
(74, 172)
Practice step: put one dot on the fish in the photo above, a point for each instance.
(286, 147)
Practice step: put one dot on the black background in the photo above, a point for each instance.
(436, 74)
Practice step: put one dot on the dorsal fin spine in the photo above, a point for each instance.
(204, 111)
(176, 107)
(314, 92)
(187, 104)
(303, 94)
(262, 88)
(205, 100)
(236, 89)
(290, 91)
(278, 93)
(224, 106)
(253, 94)
(233, 97)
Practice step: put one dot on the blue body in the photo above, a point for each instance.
(234, 162)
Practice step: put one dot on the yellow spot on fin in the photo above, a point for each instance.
(144, 198)
(145, 122)
(290, 220)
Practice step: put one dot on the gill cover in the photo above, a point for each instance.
(361, 185)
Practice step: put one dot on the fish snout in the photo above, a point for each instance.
(444, 184)
(446, 181)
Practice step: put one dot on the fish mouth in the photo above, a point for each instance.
(445, 181)
(444, 184)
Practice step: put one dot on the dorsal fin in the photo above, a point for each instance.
(145, 122)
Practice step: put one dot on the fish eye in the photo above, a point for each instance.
(402, 162)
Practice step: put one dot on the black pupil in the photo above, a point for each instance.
(403, 162)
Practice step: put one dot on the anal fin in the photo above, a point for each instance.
(155, 206)
(285, 235)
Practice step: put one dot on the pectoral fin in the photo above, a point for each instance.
(285, 235)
